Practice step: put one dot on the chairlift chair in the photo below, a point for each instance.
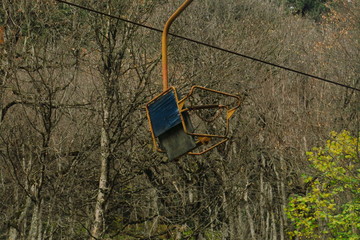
(170, 117)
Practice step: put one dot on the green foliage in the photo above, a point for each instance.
(312, 8)
(331, 207)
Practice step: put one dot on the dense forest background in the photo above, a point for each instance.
(75, 151)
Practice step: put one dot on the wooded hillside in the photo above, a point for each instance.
(76, 155)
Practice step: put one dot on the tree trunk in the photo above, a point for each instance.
(35, 227)
(153, 210)
(98, 226)
(283, 198)
(14, 232)
(263, 233)
(248, 214)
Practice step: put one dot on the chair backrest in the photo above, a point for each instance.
(167, 125)
(164, 112)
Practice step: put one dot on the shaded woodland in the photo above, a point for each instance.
(76, 156)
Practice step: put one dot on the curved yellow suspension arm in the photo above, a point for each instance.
(164, 43)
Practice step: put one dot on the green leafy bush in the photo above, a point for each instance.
(331, 207)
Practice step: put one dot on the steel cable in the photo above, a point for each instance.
(213, 47)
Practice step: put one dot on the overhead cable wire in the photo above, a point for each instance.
(212, 46)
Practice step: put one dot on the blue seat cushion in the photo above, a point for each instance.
(164, 113)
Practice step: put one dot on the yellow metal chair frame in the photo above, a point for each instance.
(200, 138)
(203, 138)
